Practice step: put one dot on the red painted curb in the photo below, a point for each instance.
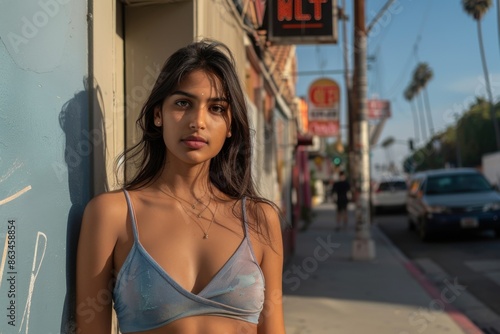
(460, 319)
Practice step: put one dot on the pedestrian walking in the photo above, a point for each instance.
(187, 246)
(340, 191)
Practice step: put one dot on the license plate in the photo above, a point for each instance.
(469, 222)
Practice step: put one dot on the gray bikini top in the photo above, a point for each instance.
(146, 297)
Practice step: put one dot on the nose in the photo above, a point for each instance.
(197, 120)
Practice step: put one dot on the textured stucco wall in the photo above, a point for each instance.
(44, 159)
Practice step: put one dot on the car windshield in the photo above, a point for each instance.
(456, 183)
(392, 185)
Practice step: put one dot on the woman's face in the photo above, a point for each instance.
(195, 119)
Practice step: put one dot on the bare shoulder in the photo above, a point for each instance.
(267, 220)
(264, 212)
(108, 209)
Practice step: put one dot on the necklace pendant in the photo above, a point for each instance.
(205, 236)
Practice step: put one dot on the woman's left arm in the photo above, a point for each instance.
(271, 320)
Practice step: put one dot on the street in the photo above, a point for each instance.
(473, 259)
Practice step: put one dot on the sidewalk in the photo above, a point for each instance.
(325, 291)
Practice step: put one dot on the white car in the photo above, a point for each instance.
(389, 193)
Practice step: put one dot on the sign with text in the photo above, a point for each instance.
(302, 21)
(378, 109)
(323, 106)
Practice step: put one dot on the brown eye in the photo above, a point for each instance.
(218, 109)
(182, 103)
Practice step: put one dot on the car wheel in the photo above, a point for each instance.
(423, 231)
(375, 210)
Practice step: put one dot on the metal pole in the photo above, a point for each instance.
(349, 103)
(363, 245)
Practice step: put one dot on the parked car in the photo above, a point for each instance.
(388, 194)
(452, 200)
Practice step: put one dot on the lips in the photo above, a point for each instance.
(194, 142)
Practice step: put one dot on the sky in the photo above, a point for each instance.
(437, 32)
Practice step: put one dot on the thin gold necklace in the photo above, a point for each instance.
(205, 232)
(192, 205)
(198, 215)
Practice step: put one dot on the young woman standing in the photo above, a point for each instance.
(187, 246)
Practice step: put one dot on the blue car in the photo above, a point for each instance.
(452, 200)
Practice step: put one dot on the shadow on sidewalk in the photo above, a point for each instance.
(322, 266)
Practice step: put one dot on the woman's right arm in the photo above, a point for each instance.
(94, 273)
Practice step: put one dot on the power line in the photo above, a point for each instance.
(413, 53)
(404, 73)
(319, 72)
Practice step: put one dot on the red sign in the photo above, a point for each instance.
(324, 129)
(323, 108)
(302, 21)
(378, 109)
(324, 96)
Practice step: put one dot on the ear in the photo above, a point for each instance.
(228, 133)
(157, 116)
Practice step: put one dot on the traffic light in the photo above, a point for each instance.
(337, 161)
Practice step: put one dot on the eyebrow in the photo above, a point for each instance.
(192, 96)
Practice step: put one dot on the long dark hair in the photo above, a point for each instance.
(230, 170)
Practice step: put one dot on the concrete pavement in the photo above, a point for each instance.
(325, 291)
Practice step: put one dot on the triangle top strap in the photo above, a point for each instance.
(132, 214)
(134, 223)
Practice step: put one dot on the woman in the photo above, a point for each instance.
(188, 246)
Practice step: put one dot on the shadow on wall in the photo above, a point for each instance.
(84, 153)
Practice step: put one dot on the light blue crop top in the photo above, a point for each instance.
(146, 297)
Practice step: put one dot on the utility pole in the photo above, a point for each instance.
(349, 103)
(363, 247)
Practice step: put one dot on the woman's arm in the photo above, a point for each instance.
(94, 273)
(271, 320)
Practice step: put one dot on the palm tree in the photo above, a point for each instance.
(416, 86)
(477, 9)
(409, 94)
(422, 75)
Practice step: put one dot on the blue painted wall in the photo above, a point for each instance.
(44, 160)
